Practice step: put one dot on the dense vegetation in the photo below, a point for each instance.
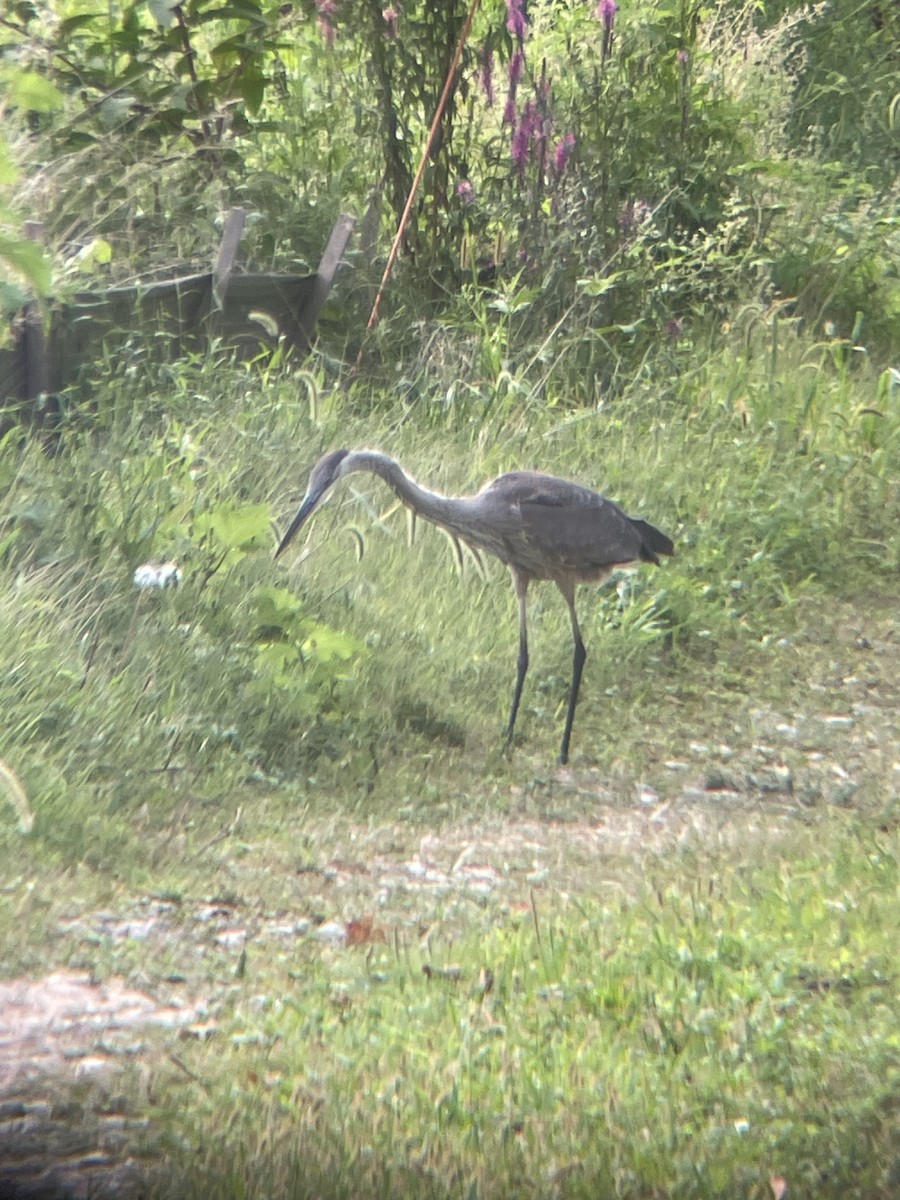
(656, 249)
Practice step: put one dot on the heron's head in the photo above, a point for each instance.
(322, 476)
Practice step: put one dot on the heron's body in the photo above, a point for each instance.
(541, 526)
(550, 528)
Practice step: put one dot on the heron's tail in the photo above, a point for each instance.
(654, 542)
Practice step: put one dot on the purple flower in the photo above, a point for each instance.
(520, 141)
(532, 129)
(516, 67)
(325, 12)
(562, 152)
(674, 328)
(391, 18)
(532, 120)
(466, 191)
(515, 20)
(606, 12)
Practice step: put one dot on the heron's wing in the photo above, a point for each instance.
(554, 527)
(535, 487)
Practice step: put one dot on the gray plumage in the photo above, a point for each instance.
(541, 526)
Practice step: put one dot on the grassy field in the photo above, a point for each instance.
(278, 918)
(424, 969)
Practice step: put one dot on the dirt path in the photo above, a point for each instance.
(63, 1131)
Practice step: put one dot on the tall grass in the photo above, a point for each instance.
(721, 1025)
(772, 467)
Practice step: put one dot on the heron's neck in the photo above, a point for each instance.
(442, 510)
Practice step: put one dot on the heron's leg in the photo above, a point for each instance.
(578, 659)
(521, 585)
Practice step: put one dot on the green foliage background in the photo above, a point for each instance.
(693, 301)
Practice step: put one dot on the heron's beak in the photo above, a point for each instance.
(309, 503)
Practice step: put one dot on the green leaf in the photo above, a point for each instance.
(96, 253)
(31, 91)
(12, 297)
(114, 110)
(28, 260)
(71, 24)
(252, 87)
(599, 286)
(325, 644)
(8, 172)
(276, 607)
(241, 527)
(274, 659)
(519, 302)
(238, 10)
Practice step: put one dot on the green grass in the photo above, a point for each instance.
(693, 989)
(664, 972)
(681, 1002)
(767, 474)
(678, 1042)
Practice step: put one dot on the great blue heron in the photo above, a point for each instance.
(542, 527)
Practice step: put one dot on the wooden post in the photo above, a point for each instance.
(231, 237)
(209, 317)
(328, 265)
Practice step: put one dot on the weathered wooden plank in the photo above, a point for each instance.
(167, 314)
(231, 237)
(324, 277)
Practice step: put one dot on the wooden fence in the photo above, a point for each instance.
(175, 316)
